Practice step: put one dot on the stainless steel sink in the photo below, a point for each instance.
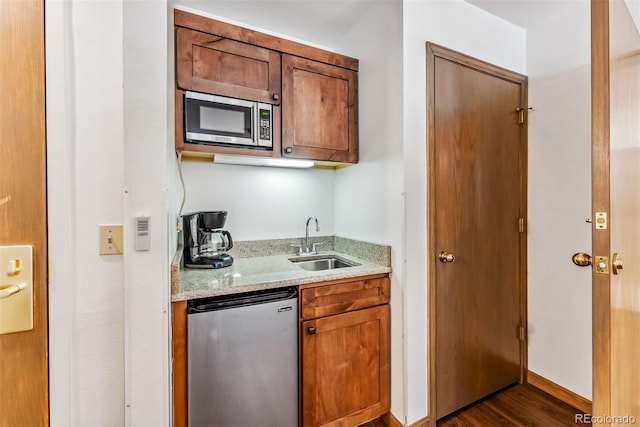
(322, 263)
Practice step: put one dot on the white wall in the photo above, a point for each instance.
(634, 10)
(368, 196)
(147, 143)
(460, 26)
(558, 65)
(85, 182)
(107, 148)
(262, 202)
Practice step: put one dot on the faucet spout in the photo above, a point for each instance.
(307, 231)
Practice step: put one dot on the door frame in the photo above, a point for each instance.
(600, 202)
(435, 51)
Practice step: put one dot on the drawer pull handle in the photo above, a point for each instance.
(311, 330)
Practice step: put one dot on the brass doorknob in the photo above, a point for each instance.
(446, 257)
(581, 259)
(616, 263)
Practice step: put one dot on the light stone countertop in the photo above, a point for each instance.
(255, 273)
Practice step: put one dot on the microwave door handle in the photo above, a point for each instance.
(256, 124)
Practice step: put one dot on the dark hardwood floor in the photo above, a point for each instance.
(519, 405)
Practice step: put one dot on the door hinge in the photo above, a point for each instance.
(521, 333)
(521, 226)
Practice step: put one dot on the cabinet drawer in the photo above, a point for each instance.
(343, 297)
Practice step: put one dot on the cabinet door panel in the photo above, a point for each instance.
(213, 64)
(319, 111)
(345, 374)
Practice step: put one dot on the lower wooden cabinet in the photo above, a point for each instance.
(345, 366)
(344, 352)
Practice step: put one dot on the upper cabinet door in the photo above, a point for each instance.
(212, 64)
(319, 111)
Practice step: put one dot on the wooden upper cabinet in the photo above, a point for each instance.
(221, 66)
(319, 111)
(314, 91)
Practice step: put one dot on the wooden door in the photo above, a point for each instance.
(319, 111)
(615, 181)
(23, 218)
(345, 367)
(213, 64)
(477, 163)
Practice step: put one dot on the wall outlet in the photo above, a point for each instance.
(111, 239)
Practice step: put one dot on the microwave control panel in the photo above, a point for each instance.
(265, 124)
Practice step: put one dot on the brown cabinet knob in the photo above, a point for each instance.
(275, 97)
(288, 150)
(311, 330)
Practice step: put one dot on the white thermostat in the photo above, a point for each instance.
(143, 233)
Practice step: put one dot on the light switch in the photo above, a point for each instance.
(111, 239)
(14, 267)
(16, 289)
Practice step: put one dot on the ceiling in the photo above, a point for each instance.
(523, 13)
(323, 22)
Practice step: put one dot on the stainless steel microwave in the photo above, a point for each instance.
(218, 120)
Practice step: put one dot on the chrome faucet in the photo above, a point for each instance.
(307, 248)
(306, 236)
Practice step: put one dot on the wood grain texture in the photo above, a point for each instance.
(319, 111)
(559, 392)
(343, 297)
(601, 286)
(422, 422)
(24, 390)
(346, 368)
(518, 406)
(475, 308)
(381, 422)
(624, 149)
(212, 64)
(388, 420)
(431, 232)
(179, 362)
(212, 26)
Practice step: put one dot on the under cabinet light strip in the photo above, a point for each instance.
(261, 161)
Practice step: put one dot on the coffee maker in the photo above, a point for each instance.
(205, 242)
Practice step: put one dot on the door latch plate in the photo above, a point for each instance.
(16, 279)
(601, 264)
(601, 220)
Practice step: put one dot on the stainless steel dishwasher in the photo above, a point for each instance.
(243, 359)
